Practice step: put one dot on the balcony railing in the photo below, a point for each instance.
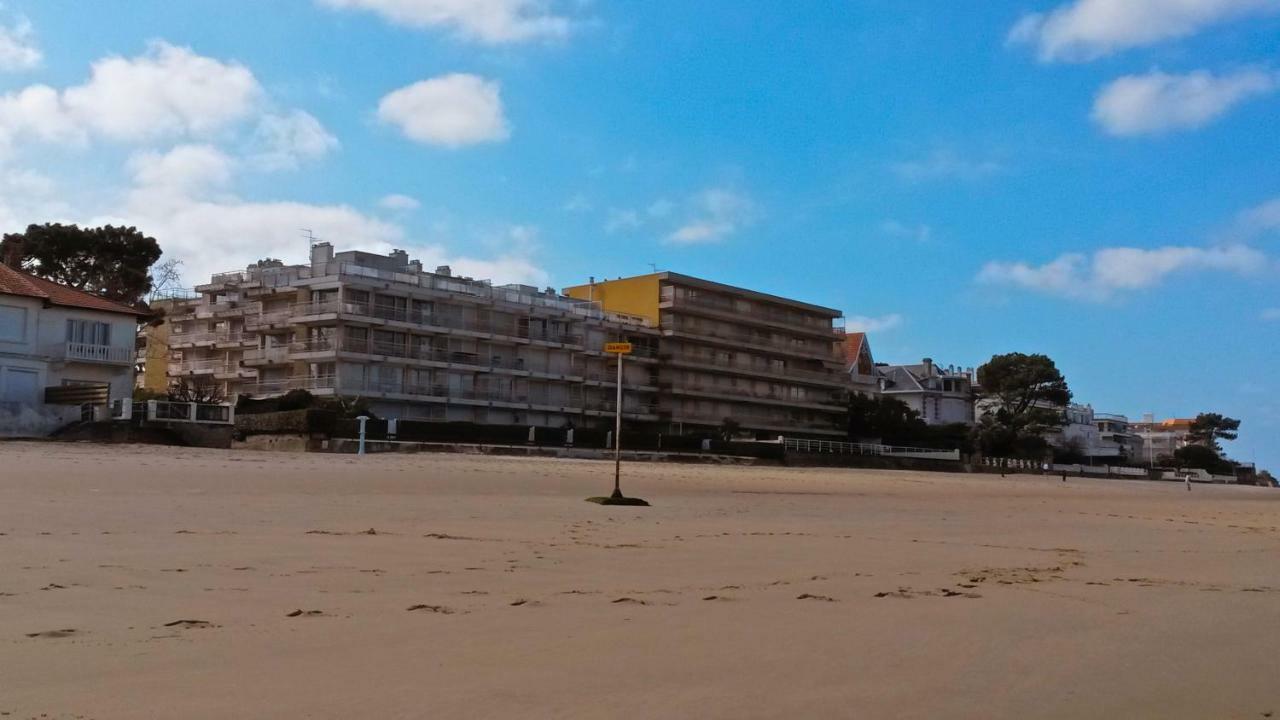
(266, 318)
(760, 368)
(90, 353)
(770, 341)
(751, 311)
(213, 338)
(267, 355)
(272, 387)
(752, 394)
(506, 328)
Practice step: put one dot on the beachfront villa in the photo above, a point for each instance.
(64, 353)
(769, 364)
(939, 395)
(1156, 439)
(1098, 437)
(942, 396)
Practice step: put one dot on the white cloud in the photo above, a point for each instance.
(18, 49)
(622, 220)
(717, 214)
(399, 203)
(862, 323)
(1271, 314)
(185, 170)
(917, 232)
(1112, 270)
(1263, 218)
(505, 268)
(450, 110)
(167, 92)
(486, 21)
(1158, 103)
(943, 165)
(210, 233)
(1089, 29)
(286, 140)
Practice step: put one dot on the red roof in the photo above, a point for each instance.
(16, 282)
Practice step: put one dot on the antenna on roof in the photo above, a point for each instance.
(654, 266)
(311, 241)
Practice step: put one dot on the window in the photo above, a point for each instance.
(13, 323)
(19, 385)
(88, 332)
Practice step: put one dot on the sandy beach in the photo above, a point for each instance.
(153, 582)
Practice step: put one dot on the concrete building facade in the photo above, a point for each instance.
(767, 364)
(413, 344)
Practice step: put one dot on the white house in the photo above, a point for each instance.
(61, 350)
(942, 395)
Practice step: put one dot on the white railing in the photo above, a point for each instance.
(86, 352)
(273, 354)
(274, 387)
(847, 448)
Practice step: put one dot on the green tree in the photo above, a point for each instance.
(1025, 396)
(1209, 428)
(1204, 457)
(114, 262)
(885, 418)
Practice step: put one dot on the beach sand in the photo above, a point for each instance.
(155, 582)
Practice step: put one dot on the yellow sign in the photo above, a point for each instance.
(619, 348)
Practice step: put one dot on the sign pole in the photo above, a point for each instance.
(619, 349)
(617, 435)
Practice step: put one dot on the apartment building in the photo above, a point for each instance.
(1156, 439)
(1116, 438)
(64, 353)
(413, 344)
(767, 364)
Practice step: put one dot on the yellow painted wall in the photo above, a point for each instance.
(157, 358)
(631, 296)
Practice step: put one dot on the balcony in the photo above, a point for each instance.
(749, 311)
(88, 353)
(284, 385)
(267, 319)
(506, 328)
(767, 343)
(751, 369)
(266, 356)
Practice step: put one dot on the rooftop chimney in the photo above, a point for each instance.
(928, 367)
(321, 255)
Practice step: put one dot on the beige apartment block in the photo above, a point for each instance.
(413, 344)
(732, 356)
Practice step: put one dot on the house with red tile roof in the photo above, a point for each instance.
(64, 353)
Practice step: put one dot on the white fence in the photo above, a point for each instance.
(1076, 469)
(846, 448)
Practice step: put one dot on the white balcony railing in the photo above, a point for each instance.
(86, 352)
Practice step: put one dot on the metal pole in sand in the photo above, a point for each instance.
(617, 435)
(620, 349)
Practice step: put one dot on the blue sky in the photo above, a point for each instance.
(1097, 180)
